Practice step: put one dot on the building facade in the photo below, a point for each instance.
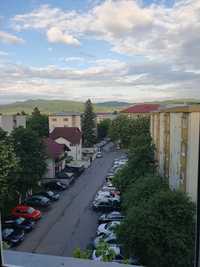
(175, 132)
(64, 119)
(10, 122)
(71, 137)
(56, 156)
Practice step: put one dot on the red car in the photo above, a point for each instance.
(26, 212)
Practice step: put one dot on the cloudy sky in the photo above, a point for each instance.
(123, 50)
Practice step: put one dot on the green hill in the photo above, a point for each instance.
(51, 106)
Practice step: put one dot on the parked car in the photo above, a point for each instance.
(110, 239)
(66, 175)
(112, 216)
(26, 212)
(12, 236)
(105, 204)
(107, 228)
(99, 155)
(18, 223)
(55, 185)
(37, 201)
(50, 194)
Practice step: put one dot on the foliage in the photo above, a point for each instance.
(105, 251)
(81, 254)
(142, 190)
(89, 125)
(38, 122)
(161, 230)
(140, 161)
(123, 129)
(103, 128)
(32, 159)
(8, 169)
(3, 134)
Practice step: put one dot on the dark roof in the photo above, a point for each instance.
(53, 149)
(66, 114)
(71, 134)
(142, 108)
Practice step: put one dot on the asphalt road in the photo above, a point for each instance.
(71, 222)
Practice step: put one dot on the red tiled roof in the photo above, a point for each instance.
(53, 149)
(71, 134)
(141, 108)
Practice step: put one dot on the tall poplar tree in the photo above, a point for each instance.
(89, 125)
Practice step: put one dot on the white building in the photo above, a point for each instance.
(10, 122)
(71, 137)
(64, 119)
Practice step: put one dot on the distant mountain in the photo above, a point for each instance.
(51, 106)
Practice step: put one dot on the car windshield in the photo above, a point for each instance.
(20, 220)
(30, 210)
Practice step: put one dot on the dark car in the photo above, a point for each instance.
(38, 201)
(12, 236)
(50, 194)
(55, 185)
(19, 223)
(69, 176)
(76, 170)
(112, 216)
(105, 205)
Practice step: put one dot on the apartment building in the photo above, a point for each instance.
(10, 122)
(140, 110)
(64, 119)
(175, 132)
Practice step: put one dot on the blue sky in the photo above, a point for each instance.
(122, 50)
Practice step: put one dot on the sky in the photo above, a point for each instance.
(106, 50)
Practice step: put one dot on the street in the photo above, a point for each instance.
(71, 222)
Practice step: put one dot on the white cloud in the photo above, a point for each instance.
(10, 38)
(55, 35)
(154, 31)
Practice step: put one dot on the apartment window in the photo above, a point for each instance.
(54, 119)
(65, 119)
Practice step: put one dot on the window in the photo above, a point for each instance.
(54, 119)
(65, 119)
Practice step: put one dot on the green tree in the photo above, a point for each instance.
(142, 190)
(160, 231)
(8, 175)
(103, 128)
(89, 125)
(39, 123)
(140, 161)
(30, 151)
(123, 129)
(3, 135)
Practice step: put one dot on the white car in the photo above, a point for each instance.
(107, 228)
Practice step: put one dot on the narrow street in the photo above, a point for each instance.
(71, 222)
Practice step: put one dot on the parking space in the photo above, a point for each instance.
(71, 221)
